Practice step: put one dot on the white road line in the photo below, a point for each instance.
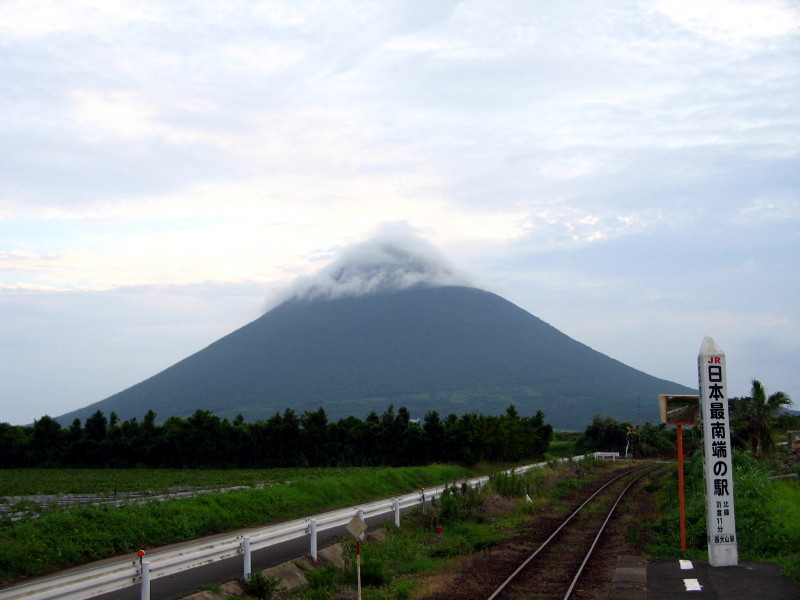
(692, 585)
(686, 564)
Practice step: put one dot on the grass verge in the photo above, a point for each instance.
(62, 538)
(767, 516)
(415, 561)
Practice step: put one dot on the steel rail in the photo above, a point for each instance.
(600, 532)
(558, 530)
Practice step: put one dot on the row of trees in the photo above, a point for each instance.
(283, 440)
(606, 434)
(753, 418)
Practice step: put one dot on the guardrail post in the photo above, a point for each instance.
(145, 595)
(397, 512)
(313, 531)
(424, 506)
(248, 563)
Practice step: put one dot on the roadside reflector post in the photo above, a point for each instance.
(145, 594)
(357, 527)
(717, 456)
(312, 529)
(358, 566)
(424, 506)
(397, 512)
(248, 563)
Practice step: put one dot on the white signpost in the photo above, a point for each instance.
(717, 456)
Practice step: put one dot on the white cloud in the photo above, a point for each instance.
(763, 210)
(283, 14)
(36, 18)
(269, 230)
(128, 116)
(261, 57)
(734, 22)
(113, 115)
(233, 233)
(394, 259)
(570, 167)
(160, 143)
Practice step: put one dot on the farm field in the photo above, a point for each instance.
(60, 536)
(21, 482)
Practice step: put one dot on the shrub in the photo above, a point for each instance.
(325, 579)
(466, 538)
(406, 551)
(456, 504)
(261, 586)
(403, 590)
(508, 484)
(374, 570)
(757, 524)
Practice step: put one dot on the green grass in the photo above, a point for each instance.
(787, 507)
(21, 482)
(767, 516)
(563, 449)
(389, 569)
(393, 569)
(18, 482)
(787, 504)
(62, 538)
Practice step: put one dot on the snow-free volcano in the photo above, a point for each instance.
(447, 348)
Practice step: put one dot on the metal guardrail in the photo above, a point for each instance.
(612, 455)
(94, 581)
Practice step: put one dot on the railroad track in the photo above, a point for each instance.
(550, 560)
(553, 570)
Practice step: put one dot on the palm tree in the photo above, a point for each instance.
(758, 414)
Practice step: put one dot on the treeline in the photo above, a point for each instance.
(203, 440)
(606, 434)
(755, 420)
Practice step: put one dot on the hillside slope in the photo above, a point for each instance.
(450, 349)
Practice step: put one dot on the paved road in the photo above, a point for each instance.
(185, 583)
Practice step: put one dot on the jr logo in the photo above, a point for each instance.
(713, 360)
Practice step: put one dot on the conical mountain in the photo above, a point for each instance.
(448, 348)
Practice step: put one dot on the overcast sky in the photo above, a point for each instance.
(627, 171)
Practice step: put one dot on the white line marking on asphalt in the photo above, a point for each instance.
(692, 585)
(686, 564)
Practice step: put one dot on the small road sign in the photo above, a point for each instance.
(356, 526)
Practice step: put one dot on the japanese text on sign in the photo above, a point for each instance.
(720, 515)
